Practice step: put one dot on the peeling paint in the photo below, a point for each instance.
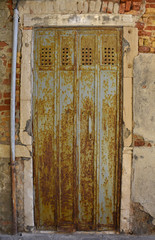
(126, 46)
(28, 127)
(142, 221)
(126, 132)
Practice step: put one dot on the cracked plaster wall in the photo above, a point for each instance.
(143, 182)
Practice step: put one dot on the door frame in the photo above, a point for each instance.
(130, 51)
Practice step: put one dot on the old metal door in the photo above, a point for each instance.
(76, 126)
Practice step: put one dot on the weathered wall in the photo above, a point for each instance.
(142, 215)
(143, 190)
(5, 71)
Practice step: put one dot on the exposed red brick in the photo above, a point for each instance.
(144, 33)
(10, 7)
(128, 6)
(17, 75)
(138, 141)
(144, 49)
(151, 1)
(104, 6)
(139, 25)
(27, 28)
(136, 7)
(3, 44)
(4, 60)
(4, 107)
(150, 28)
(17, 120)
(122, 8)
(138, 1)
(9, 65)
(6, 81)
(6, 95)
(18, 65)
(7, 101)
(9, 50)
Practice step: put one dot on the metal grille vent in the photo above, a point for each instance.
(65, 56)
(46, 57)
(109, 56)
(86, 56)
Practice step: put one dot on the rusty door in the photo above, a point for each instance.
(76, 128)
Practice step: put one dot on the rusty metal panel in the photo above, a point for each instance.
(77, 115)
(65, 125)
(109, 46)
(86, 161)
(43, 99)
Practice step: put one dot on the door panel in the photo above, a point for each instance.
(43, 138)
(86, 180)
(76, 99)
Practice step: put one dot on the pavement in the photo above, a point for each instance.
(76, 236)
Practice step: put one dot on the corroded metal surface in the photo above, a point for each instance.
(76, 125)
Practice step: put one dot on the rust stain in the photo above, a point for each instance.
(69, 193)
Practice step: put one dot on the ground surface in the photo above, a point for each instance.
(76, 236)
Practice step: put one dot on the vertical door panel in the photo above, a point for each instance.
(107, 147)
(66, 127)
(86, 163)
(108, 125)
(43, 138)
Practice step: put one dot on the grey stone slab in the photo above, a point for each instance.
(74, 236)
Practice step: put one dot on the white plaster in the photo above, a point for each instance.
(25, 138)
(20, 151)
(28, 194)
(144, 96)
(143, 185)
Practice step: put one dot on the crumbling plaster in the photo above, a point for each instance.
(143, 182)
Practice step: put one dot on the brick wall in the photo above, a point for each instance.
(5, 72)
(146, 29)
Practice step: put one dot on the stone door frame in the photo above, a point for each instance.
(130, 51)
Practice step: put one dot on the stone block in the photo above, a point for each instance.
(130, 36)
(25, 113)
(127, 111)
(97, 6)
(125, 190)
(80, 6)
(92, 6)
(26, 66)
(28, 195)
(85, 7)
(116, 8)
(104, 7)
(110, 7)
